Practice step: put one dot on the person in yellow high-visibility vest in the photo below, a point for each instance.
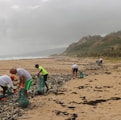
(44, 74)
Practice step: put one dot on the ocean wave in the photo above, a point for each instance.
(22, 58)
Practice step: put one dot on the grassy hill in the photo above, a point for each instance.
(110, 46)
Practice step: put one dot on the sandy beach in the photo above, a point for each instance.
(97, 96)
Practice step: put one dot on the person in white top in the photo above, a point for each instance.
(74, 70)
(99, 61)
(24, 77)
(6, 81)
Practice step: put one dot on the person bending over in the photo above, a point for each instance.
(5, 82)
(74, 70)
(44, 74)
(25, 79)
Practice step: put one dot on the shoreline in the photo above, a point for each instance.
(23, 58)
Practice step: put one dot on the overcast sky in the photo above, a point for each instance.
(33, 25)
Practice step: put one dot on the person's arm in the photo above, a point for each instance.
(10, 83)
(22, 80)
(39, 72)
(13, 87)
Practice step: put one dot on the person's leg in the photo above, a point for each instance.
(26, 93)
(27, 86)
(76, 72)
(46, 86)
(73, 73)
(4, 90)
(45, 79)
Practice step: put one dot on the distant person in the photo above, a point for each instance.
(5, 82)
(44, 74)
(25, 79)
(74, 70)
(99, 61)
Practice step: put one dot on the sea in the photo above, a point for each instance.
(34, 55)
(21, 57)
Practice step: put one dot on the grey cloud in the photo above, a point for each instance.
(55, 23)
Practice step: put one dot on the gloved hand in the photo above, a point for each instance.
(38, 74)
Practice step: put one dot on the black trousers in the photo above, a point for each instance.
(4, 89)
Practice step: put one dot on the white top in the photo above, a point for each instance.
(74, 66)
(23, 72)
(100, 59)
(5, 80)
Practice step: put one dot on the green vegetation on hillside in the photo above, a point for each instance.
(108, 46)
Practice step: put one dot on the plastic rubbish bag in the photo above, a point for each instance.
(40, 85)
(22, 100)
(8, 92)
(81, 74)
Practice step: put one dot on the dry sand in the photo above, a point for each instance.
(97, 96)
